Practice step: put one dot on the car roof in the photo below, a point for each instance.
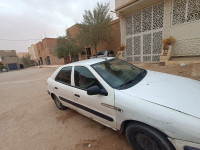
(89, 61)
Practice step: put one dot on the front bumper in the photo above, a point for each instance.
(184, 145)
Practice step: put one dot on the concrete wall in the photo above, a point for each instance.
(9, 57)
(122, 3)
(33, 52)
(73, 30)
(187, 34)
(22, 54)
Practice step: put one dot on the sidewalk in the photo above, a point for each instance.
(47, 66)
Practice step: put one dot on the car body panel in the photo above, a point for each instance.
(168, 121)
(174, 92)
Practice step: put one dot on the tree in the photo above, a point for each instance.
(27, 61)
(95, 26)
(66, 47)
(2, 66)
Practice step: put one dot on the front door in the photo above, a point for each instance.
(97, 107)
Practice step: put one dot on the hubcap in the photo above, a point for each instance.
(146, 143)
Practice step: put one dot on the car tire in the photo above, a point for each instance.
(144, 137)
(59, 105)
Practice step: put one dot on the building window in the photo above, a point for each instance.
(185, 11)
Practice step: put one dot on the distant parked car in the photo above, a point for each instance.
(157, 111)
(105, 53)
(4, 70)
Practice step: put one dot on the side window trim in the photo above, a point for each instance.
(72, 77)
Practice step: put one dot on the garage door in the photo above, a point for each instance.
(12, 66)
(144, 33)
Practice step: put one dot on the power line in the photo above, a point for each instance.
(17, 40)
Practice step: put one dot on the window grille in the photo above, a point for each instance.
(144, 33)
(185, 11)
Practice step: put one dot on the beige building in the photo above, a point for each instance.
(33, 52)
(144, 23)
(22, 54)
(46, 52)
(9, 59)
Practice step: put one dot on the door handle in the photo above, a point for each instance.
(55, 88)
(77, 95)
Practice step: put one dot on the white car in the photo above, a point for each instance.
(105, 53)
(157, 111)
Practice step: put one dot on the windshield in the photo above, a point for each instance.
(118, 73)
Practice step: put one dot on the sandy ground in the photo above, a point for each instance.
(29, 119)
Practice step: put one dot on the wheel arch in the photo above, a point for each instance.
(125, 123)
(53, 96)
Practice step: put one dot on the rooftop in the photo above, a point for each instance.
(90, 61)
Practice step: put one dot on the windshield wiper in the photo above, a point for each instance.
(129, 82)
(132, 80)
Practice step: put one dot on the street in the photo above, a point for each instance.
(29, 119)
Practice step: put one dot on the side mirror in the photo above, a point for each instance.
(94, 90)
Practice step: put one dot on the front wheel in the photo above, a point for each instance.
(144, 137)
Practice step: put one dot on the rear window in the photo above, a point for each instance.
(64, 76)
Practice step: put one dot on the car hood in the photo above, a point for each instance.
(174, 92)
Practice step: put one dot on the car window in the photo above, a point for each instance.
(118, 73)
(110, 52)
(84, 78)
(64, 75)
(100, 52)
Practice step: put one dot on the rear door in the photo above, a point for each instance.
(97, 107)
(62, 86)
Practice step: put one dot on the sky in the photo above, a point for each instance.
(26, 22)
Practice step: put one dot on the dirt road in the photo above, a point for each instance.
(29, 120)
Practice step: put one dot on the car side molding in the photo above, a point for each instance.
(87, 109)
(112, 107)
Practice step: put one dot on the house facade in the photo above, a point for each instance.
(89, 51)
(9, 59)
(145, 23)
(44, 52)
